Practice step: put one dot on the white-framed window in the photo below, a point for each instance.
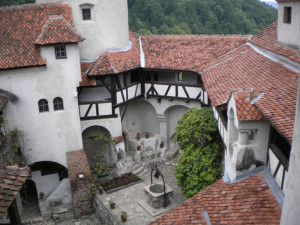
(60, 52)
(43, 105)
(86, 12)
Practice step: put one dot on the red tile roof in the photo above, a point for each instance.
(244, 109)
(11, 180)
(85, 80)
(118, 62)
(267, 39)
(3, 101)
(244, 69)
(20, 27)
(186, 52)
(249, 201)
(58, 30)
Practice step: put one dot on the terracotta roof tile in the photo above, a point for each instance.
(249, 201)
(118, 62)
(10, 184)
(244, 109)
(58, 30)
(20, 27)
(244, 69)
(186, 52)
(85, 80)
(267, 39)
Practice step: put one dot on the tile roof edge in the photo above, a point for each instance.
(275, 189)
(275, 57)
(248, 174)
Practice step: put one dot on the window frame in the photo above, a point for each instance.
(58, 49)
(58, 106)
(43, 105)
(179, 76)
(287, 14)
(88, 15)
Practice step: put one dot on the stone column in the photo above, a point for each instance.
(163, 128)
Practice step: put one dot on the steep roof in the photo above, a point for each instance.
(249, 201)
(11, 180)
(244, 109)
(85, 80)
(267, 39)
(118, 61)
(58, 30)
(186, 52)
(243, 68)
(20, 28)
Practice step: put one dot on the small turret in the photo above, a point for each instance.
(104, 24)
(289, 23)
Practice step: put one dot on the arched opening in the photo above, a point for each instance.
(140, 117)
(97, 145)
(29, 199)
(173, 114)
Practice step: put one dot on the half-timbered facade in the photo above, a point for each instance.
(69, 86)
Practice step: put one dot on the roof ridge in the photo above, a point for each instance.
(230, 58)
(198, 35)
(112, 66)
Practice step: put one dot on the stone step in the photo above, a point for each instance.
(171, 154)
(138, 170)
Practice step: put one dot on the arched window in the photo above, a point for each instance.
(43, 105)
(58, 104)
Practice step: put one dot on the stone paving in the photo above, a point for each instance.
(127, 199)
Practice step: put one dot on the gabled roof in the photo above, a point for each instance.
(244, 109)
(248, 201)
(267, 39)
(243, 68)
(58, 30)
(11, 180)
(114, 62)
(85, 80)
(20, 27)
(186, 52)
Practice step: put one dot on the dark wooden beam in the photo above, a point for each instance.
(13, 214)
(88, 110)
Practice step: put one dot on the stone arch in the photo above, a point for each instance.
(172, 115)
(98, 150)
(140, 117)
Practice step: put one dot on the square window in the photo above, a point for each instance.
(287, 15)
(60, 52)
(86, 14)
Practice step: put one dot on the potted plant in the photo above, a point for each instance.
(146, 135)
(161, 144)
(138, 147)
(138, 137)
(124, 216)
(112, 204)
(100, 189)
(42, 195)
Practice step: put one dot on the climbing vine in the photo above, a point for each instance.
(10, 146)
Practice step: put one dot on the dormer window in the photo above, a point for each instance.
(287, 15)
(60, 52)
(86, 14)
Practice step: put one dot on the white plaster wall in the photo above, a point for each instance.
(235, 150)
(112, 124)
(272, 167)
(48, 135)
(290, 212)
(94, 94)
(107, 29)
(289, 34)
(45, 183)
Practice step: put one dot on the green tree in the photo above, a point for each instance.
(201, 164)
